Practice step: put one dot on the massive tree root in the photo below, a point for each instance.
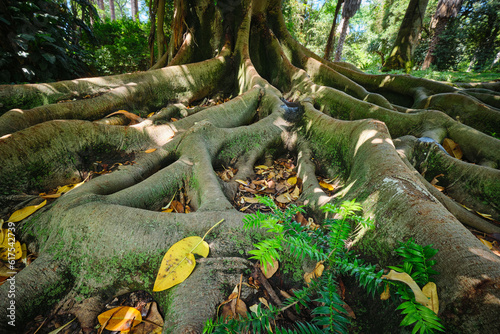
(108, 236)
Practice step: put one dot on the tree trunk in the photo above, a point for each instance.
(160, 33)
(440, 28)
(135, 9)
(401, 56)
(331, 37)
(108, 236)
(343, 34)
(112, 9)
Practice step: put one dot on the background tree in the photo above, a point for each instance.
(348, 10)
(112, 9)
(401, 56)
(445, 10)
(331, 37)
(376, 134)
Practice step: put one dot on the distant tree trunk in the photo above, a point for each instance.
(160, 34)
(100, 4)
(153, 4)
(135, 9)
(331, 38)
(112, 9)
(350, 8)
(497, 58)
(401, 56)
(445, 10)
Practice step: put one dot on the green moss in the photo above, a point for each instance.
(238, 147)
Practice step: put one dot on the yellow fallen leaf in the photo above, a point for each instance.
(151, 150)
(405, 278)
(317, 272)
(327, 186)
(25, 212)
(134, 119)
(292, 180)
(150, 114)
(6, 253)
(484, 215)
(242, 182)
(430, 290)
(121, 318)
(67, 188)
(179, 262)
(264, 167)
(486, 243)
(386, 294)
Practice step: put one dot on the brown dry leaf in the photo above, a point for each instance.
(245, 208)
(284, 198)
(317, 272)
(430, 290)
(187, 209)
(177, 206)
(173, 119)
(386, 294)
(435, 181)
(299, 218)
(270, 269)
(151, 150)
(420, 297)
(121, 318)
(264, 301)
(50, 196)
(134, 119)
(349, 310)
(25, 212)
(251, 200)
(168, 210)
(327, 186)
(452, 148)
(295, 194)
(152, 324)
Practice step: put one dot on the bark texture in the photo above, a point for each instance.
(401, 56)
(377, 133)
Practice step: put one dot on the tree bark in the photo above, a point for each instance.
(134, 5)
(331, 37)
(343, 34)
(376, 133)
(112, 9)
(401, 56)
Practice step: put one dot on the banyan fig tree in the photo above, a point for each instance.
(379, 134)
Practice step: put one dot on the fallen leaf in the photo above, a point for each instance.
(486, 243)
(67, 188)
(299, 218)
(57, 330)
(270, 269)
(179, 261)
(150, 114)
(134, 119)
(420, 297)
(177, 206)
(327, 186)
(251, 200)
(452, 148)
(292, 180)
(386, 294)
(121, 318)
(264, 301)
(152, 324)
(242, 182)
(484, 215)
(25, 212)
(263, 167)
(284, 198)
(151, 150)
(317, 272)
(430, 290)
(295, 194)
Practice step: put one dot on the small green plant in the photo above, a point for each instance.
(328, 246)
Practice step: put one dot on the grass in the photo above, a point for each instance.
(447, 76)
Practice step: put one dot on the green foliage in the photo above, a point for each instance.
(416, 261)
(118, 46)
(39, 42)
(417, 264)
